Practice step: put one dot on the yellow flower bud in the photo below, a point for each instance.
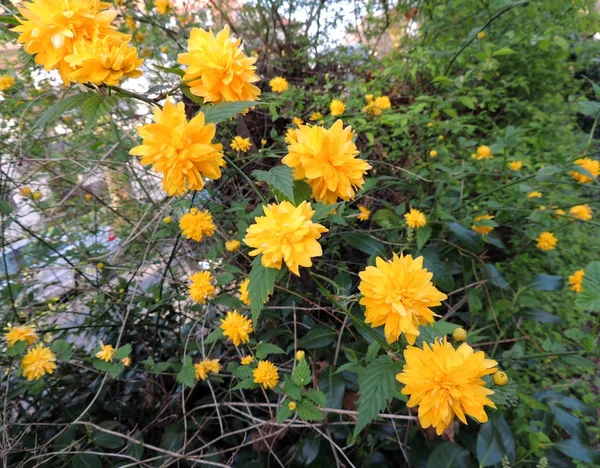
(164, 49)
(100, 265)
(441, 137)
(459, 334)
(126, 361)
(300, 355)
(430, 124)
(37, 195)
(88, 196)
(292, 405)
(500, 378)
(480, 34)
(167, 220)
(433, 153)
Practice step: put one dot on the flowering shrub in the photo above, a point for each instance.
(253, 246)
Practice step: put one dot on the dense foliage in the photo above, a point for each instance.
(133, 336)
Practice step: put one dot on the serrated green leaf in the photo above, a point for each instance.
(216, 113)
(503, 51)
(301, 375)
(95, 107)
(242, 372)
(280, 177)
(302, 192)
(214, 336)
(262, 283)
(307, 411)
(62, 349)
(113, 368)
(423, 235)
(246, 384)
(123, 352)
(61, 107)
(377, 386)
(466, 101)
(372, 351)
(547, 171)
(589, 298)
(264, 349)
(292, 390)
(283, 413)
(16, 349)
(187, 375)
(317, 397)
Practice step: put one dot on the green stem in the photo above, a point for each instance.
(245, 177)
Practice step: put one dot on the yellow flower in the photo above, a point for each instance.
(167, 220)
(459, 334)
(590, 165)
(429, 124)
(292, 405)
(534, 194)
(558, 213)
(236, 327)
(263, 142)
(582, 212)
(218, 67)
(445, 382)
(126, 361)
(285, 234)
(315, 116)
(441, 138)
(415, 219)
(37, 362)
(399, 294)
(328, 160)
(107, 353)
(23, 333)
(162, 6)
(278, 84)
(297, 121)
(37, 195)
(480, 34)
(130, 23)
(515, 165)
(201, 288)
(164, 49)
(247, 360)
(433, 153)
(204, 367)
(300, 355)
(183, 152)
(337, 107)
(371, 108)
(88, 196)
(546, 241)
(100, 265)
(50, 28)
(500, 378)
(483, 230)
(369, 97)
(6, 82)
(25, 192)
(244, 291)
(266, 374)
(232, 245)
(197, 224)
(146, 52)
(576, 281)
(364, 214)
(383, 102)
(241, 144)
(483, 152)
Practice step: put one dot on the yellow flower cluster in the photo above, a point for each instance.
(76, 38)
(6, 82)
(278, 84)
(162, 6)
(180, 150)
(479, 229)
(515, 165)
(328, 160)
(203, 368)
(592, 167)
(232, 245)
(38, 361)
(581, 212)
(20, 333)
(376, 105)
(197, 224)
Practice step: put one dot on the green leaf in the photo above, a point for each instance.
(541, 316)
(243, 372)
(264, 349)
(573, 425)
(214, 336)
(317, 397)
(469, 239)
(301, 375)
(322, 211)
(113, 368)
(175, 71)
(105, 440)
(318, 337)
(387, 218)
(377, 386)
(246, 384)
(575, 449)
(547, 282)
(284, 412)
(495, 441)
(292, 390)
(61, 107)
(589, 108)
(62, 349)
(333, 386)
(372, 351)
(503, 51)
(9, 19)
(466, 101)
(423, 235)
(589, 298)
(365, 243)
(492, 274)
(307, 411)
(223, 111)
(16, 349)
(187, 375)
(280, 177)
(262, 283)
(123, 352)
(96, 106)
(136, 450)
(65, 439)
(547, 171)
(86, 460)
(5, 208)
(448, 455)
(302, 192)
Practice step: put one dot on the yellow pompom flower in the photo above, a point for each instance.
(399, 294)
(236, 327)
(433, 153)
(483, 230)
(515, 165)
(582, 212)
(244, 291)
(162, 6)
(546, 241)
(37, 362)
(49, 29)
(219, 68)
(203, 368)
(415, 219)
(6, 82)
(576, 281)
(297, 121)
(106, 353)
(183, 152)
(364, 213)
(483, 152)
(534, 194)
(241, 144)
(232, 245)
(287, 234)
(315, 116)
(328, 160)
(383, 102)
(197, 224)
(247, 360)
(104, 60)
(590, 165)
(446, 382)
(20, 333)
(278, 84)
(201, 288)
(337, 107)
(371, 108)
(266, 374)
